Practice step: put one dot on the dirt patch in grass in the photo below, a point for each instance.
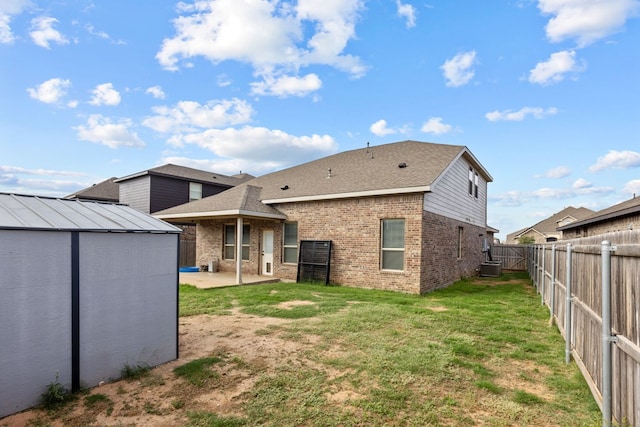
(163, 399)
(287, 305)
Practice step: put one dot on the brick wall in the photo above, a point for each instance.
(440, 263)
(353, 225)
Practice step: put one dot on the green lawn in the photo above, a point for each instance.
(478, 352)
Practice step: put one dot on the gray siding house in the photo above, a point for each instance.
(170, 185)
(408, 216)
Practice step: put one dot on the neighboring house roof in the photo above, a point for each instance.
(107, 190)
(401, 167)
(46, 213)
(628, 207)
(189, 174)
(550, 225)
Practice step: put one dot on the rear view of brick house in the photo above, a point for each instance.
(407, 216)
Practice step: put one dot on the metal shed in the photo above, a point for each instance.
(86, 288)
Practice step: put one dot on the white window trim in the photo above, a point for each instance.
(383, 249)
(285, 246)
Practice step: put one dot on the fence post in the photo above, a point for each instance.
(607, 336)
(552, 296)
(536, 260)
(567, 311)
(543, 275)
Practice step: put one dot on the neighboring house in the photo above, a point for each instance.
(163, 187)
(408, 216)
(547, 229)
(105, 191)
(623, 216)
(170, 185)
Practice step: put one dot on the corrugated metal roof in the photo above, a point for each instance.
(44, 213)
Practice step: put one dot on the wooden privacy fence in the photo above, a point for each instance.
(511, 257)
(592, 289)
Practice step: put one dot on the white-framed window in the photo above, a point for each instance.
(230, 241)
(195, 191)
(392, 244)
(475, 186)
(459, 243)
(290, 243)
(473, 182)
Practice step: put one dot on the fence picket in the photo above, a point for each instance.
(575, 267)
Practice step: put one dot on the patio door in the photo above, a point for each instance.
(267, 252)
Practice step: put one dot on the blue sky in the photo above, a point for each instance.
(543, 92)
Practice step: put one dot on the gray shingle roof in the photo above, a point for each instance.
(183, 172)
(550, 225)
(407, 166)
(107, 190)
(243, 199)
(45, 213)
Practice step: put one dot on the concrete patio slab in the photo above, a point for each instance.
(205, 280)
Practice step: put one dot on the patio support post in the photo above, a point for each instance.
(239, 251)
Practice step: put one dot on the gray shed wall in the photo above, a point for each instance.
(127, 308)
(128, 302)
(35, 326)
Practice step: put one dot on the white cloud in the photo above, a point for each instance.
(552, 193)
(554, 69)
(458, 71)
(557, 172)
(257, 146)
(435, 125)
(616, 160)
(408, 12)
(191, 116)
(270, 36)
(101, 130)
(582, 183)
(105, 94)
(223, 80)
(380, 128)
(508, 115)
(287, 85)
(632, 187)
(42, 32)
(9, 8)
(43, 172)
(156, 92)
(225, 166)
(586, 21)
(50, 91)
